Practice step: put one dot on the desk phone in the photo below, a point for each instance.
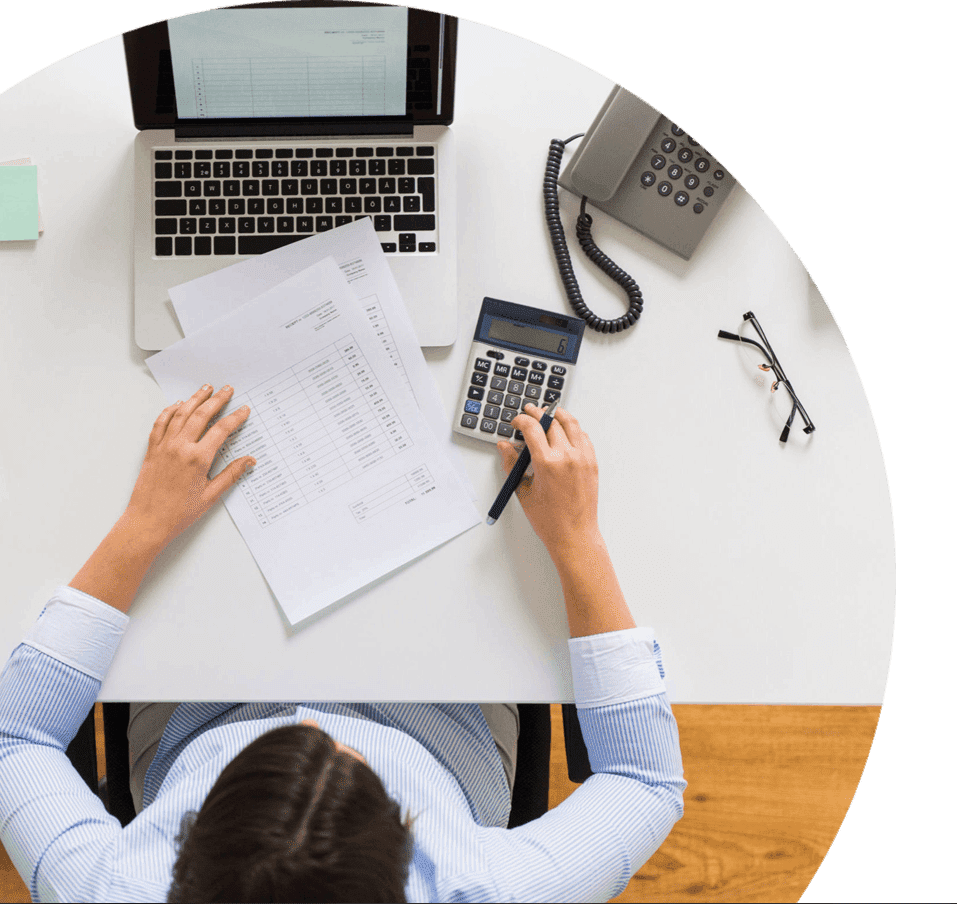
(518, 355)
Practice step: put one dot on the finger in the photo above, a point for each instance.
(221, 430)
(199, 420)
(573, 430)
(161, 424)
(508, 454)
(182, 414)
(555, 438)
(227, 478)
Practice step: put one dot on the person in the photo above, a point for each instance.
(329, 801)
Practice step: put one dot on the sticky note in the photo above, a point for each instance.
(19, 207)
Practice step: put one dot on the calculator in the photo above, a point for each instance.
(519, 355)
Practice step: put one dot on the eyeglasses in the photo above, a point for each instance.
(773, 365)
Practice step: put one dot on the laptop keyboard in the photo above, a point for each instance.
(232, 201)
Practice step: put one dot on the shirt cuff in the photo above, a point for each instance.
(79, 630)
(615, 667)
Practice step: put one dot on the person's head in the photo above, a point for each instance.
(294, 817)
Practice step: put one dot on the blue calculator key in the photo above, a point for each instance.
(473, 407)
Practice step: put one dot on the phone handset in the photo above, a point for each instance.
(583, 230)
(611, 145)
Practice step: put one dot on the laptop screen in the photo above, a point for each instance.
(308, 64)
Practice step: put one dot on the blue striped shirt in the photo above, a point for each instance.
(438, 760)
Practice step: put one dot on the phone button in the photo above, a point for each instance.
(702, 164)
(648, 178)
(668, 145)
(685, 155)
(664, 189)
(658, 161)
(698, 207)
(681, 198)
(691, 181)
(708, 191)
(675, 171)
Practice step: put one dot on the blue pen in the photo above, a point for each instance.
(518, 471)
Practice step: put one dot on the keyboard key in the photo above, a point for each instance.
(197, 207)
(353, 205)
(270, 186)
(357, 167)
(384, 152)
(217, 206)
(241, 169)
(318, 168)
(279, 169)
(405, 152)
(170, 208)
(204, 155)
(260, 169)
(163, 155)
(232, 188)
(250, 187)
(323, 224)
(411, 204)
(304, 224)
(421, 167)
(256, 206)
(367, 186)
(382, 223)
(294, 205)
(261, 244)
(426, 247)
(376, 167)
(192, 189)
(344, 152)
(275, 205)
(168, 189)
(224, 244)
(313, 205)
(183, 244)
(284, 152)
(224, 154)
(392, 204)
(163, 170)
(207, 226)
(183, 170)
(387, 247)
(406, 186)
(333, 205)
(247, 224)
(221, 170)
(202, 244)
(387, 186)
(347, 186)
(372, 205)
(187, 226)
(202, 170)
(244, 153)
(338, 167)
(303, 152)
(212, 189)
(492, 411)
(285, 224)
(164, 246)
(323, 152)
(425, 150)
(265, 224)
(418, 222)
(328, 186)
(299, 168)
(184, 155)
(342, 220)
(396, 167)
(308, 186)
(479, 379)
(426, 186)
(227, 224)
(165, 227)
(363, 152)
(263, 153)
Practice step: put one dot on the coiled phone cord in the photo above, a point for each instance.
(583, 230)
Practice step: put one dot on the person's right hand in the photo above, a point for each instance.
(561, 501)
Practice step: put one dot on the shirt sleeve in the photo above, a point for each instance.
(56, 831)
(589, 847)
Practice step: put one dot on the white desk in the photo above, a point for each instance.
(767, 571)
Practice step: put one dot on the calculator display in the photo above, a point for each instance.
(543, 340)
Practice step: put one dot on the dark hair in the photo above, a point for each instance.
(292, 818)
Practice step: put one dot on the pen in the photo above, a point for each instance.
(518, 471)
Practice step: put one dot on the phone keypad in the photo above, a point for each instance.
(683, 173)
(498, 386)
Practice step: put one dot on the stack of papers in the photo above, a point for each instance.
(352, 480)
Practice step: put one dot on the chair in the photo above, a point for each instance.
(529, 794)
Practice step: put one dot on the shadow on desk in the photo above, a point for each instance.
(768, 787)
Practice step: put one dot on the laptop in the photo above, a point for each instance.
(266, 124)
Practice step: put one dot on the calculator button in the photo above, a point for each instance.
(495, 398)
(492, 411)
(648, 178)
(519, 373)
(516, 387)
(702, 164)
(487, 425)
(502, 370)
(708, 191)
(498, 383)
(556, 382)
(507, 415)
(519, 435)
(494, 354)
(558, 370)
(681, 198)
(536, 378)
(476, 393)
(521, 362)
(698, 207)
(512, 401)
(551, 395)
(691, 181)
(533, 392)
(469, 420)
(473, 407)
(482, 364)
(539, 365)
(658, 161)
(505, 430)
(479, 379)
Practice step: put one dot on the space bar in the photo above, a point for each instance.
(260, 244)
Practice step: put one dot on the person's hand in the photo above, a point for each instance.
(173, 489)
(561, 500)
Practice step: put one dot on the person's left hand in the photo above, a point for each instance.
(173, 489)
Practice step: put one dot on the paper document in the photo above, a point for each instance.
(350, 482)
(357, 251)
(19, 205)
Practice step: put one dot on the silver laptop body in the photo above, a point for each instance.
(193, 214)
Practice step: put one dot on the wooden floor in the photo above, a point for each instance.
(768, 787)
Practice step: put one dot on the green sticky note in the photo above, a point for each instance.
(19, 208)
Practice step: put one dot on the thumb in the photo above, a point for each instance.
(228, 477)
(507, 454)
